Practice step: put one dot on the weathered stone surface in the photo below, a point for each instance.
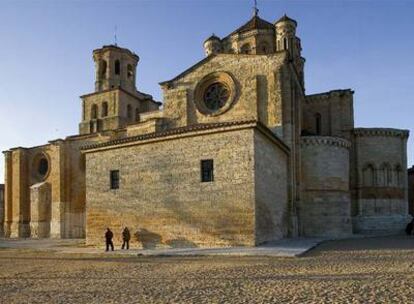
(271, 192)
(325, 209)
(380, 181)
(40, 210)
(161, 197)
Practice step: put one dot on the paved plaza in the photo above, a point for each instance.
(366, 270)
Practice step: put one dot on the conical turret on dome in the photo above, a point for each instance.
(212, 37)
(286, 18)
(212, 45)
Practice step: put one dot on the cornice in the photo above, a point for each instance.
(387, 132)
(326, 96)
(167, 133)
(325, 141)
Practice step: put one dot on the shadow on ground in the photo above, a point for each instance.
(151, 240)
(397, 242)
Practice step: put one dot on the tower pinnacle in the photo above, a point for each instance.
(115, 36)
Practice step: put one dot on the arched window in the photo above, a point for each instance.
(129, 112)
(387, 174)
(104, 111)
(381, 180)
(94, 111)
(398, 175)
(285, 43)
(137, 114)
(102, 68)
(245, 49)
(130, 71)
(117, 67)
(368, 175)
(318, 124)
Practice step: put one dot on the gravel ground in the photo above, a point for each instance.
(375, 270)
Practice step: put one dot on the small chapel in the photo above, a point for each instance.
(238, 155)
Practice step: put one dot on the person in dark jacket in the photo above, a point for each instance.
(126, 236)
(108, 238)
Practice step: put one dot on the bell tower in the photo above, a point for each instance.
(116, 102)
(115, 68)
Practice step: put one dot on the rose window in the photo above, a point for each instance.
(216, 95)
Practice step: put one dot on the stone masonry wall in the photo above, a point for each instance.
(381, 196)
(66, 177)
(325, 209)
(336, 112)
(161, 197)
(271, 190)
(258, 93)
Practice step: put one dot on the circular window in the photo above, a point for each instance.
(43, 167)
(216, 96)
(40, 167)
(215, 93)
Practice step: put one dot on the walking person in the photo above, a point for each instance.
(126, 236)
(108, 238)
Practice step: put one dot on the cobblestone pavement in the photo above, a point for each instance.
(374, 270)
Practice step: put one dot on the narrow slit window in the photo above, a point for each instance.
(114, 176)
(318, 122)
(129, 112)
(207, 170)
(130, 71)
(102, 69)
(117, 67)
(104, 109)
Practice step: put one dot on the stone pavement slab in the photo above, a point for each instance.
(282, 248)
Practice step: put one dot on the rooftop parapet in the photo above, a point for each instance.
(381, 132)
(326, 96)
(325, 141)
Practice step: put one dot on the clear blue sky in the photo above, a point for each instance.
(46, 54)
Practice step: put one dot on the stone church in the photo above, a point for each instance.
(237, 154)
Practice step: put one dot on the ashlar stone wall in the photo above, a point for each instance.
(161, 197)
(257, 90)
(65, 178)
(164, 203)
(336, 112)
(380, 202)
(271, 189)
(325, 208)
